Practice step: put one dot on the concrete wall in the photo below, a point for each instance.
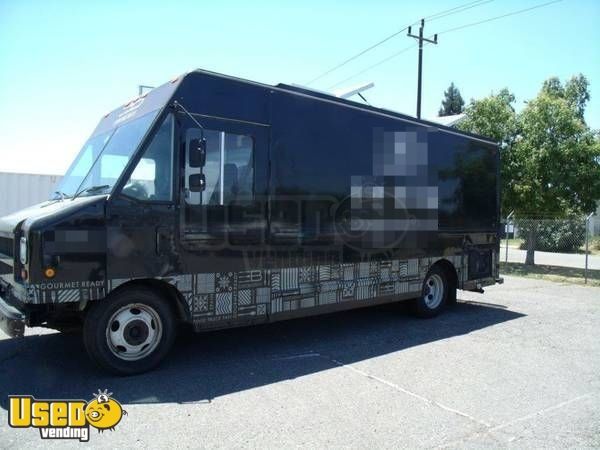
(19, 190)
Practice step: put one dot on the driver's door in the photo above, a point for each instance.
(141, 216)
(223, 223)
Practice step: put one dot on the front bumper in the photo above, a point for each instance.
(12, 321)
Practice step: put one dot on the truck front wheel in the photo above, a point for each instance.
(129, 332)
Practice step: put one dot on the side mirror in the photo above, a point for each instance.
(197, 152)
(197, 182)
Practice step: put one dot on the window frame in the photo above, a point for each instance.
(139, 155)
(195, 232)
(222, 140)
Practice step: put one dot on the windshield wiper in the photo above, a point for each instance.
(61, 195)
(100, 187)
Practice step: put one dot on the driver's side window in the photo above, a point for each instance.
(152, 177)
(228, 168)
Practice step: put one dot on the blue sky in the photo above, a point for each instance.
(64, 64)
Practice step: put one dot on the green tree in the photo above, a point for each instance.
(550, 158)
(557, 173)
(575, 92)
(452, 103)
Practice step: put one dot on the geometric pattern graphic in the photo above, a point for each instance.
(37, 294)
(220, 296)
(265, 292)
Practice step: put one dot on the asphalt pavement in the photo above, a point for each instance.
(518, 366)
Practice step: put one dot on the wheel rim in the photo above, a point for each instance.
(434, 291)
(133, 332)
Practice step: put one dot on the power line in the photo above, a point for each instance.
(499, 17)
(444, 13)
(352, 58)
(456, 10)
(404, 50)
(443, 32)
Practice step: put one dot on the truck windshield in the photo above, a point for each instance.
(103, 158)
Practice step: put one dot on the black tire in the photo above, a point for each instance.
(147, 334)
(432, 301)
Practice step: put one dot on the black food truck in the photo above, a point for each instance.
(218, 202)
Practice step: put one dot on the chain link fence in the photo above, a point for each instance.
(560, 248)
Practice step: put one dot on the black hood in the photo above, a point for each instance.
(8, 224)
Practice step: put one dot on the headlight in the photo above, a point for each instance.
(23, 250)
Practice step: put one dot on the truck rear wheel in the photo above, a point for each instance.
(434, 295)
(129, 332)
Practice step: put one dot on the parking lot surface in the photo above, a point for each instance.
(518, 366)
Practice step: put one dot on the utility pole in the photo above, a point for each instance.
(421, 39)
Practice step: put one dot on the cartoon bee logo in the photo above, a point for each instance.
(104, 412)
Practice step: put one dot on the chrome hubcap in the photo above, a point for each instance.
(434, 291)
(133, 331)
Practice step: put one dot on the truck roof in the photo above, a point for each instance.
(319, 95)
(161, 95)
